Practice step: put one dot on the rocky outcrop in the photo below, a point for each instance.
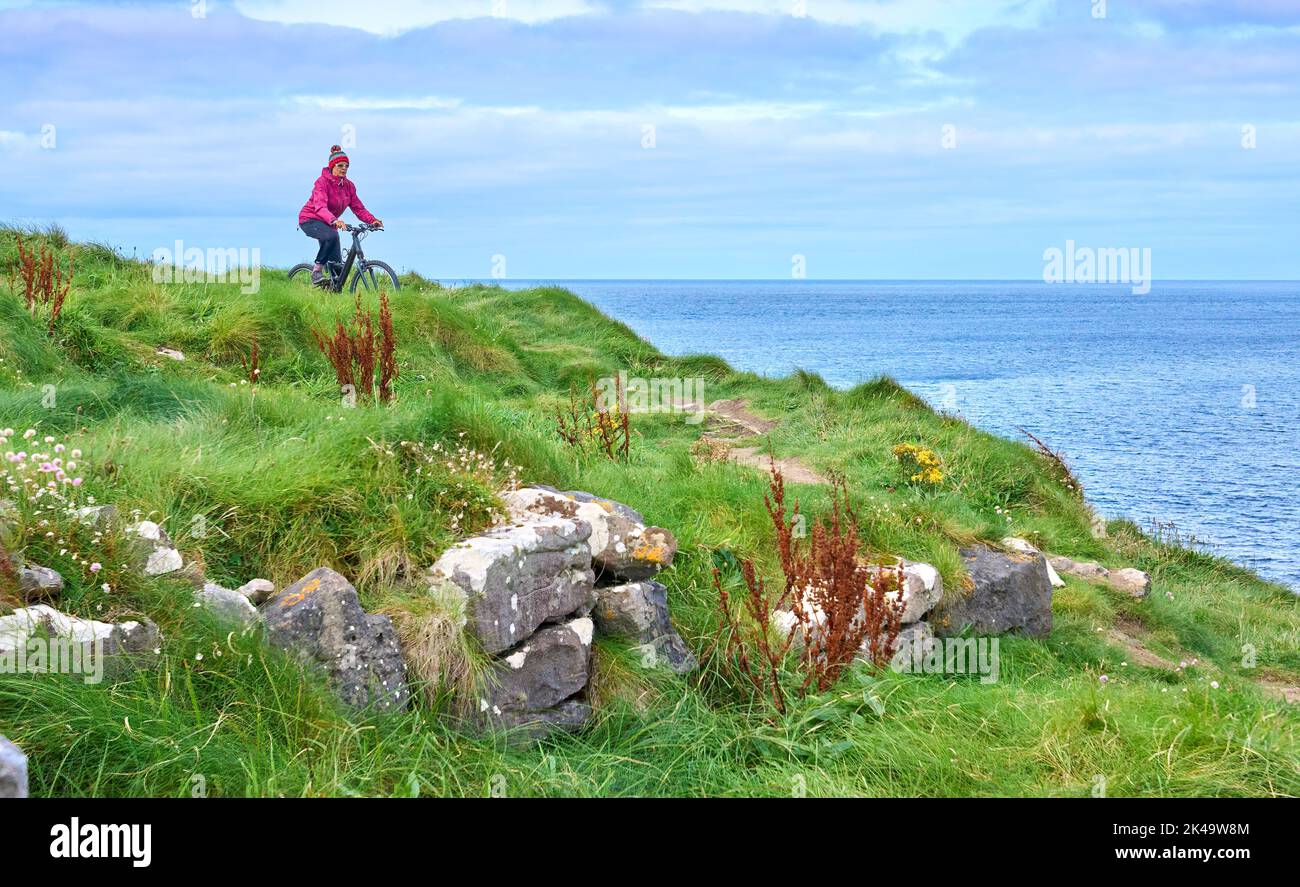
(1129, 580)
(622, 547)
(536, 589)
(1009, 592)
(320, 619)
(13, 770)
(638, 611)
(538, 686)
(515, 578)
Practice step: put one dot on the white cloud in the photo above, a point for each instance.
(360, 103)
(396, 16)
(953, 20)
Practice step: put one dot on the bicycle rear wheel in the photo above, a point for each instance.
(373, 275)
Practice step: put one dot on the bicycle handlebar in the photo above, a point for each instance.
(363, 227)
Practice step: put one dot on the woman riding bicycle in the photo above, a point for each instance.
(319, 217)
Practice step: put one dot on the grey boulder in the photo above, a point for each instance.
(13, 770)
(320, 619)
(514, 578)
(35, 582)
(538, 685)
(1010, 592)
(639, 611)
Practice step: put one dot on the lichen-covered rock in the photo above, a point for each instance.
(622, 546)
(227, 605)
(537, 685)
(320, 618)
(36, 582)
(639, 611)
(13, 770)
(156, 555)
(1010, 592)
(515, 578)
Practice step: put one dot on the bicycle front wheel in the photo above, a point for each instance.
(373, 275)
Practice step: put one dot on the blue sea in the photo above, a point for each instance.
(1180, 406)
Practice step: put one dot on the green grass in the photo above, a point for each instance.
(277, 481)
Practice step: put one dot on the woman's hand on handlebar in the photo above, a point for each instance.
(340, 224)
(378, 223)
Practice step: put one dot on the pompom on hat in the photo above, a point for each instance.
(337, 156)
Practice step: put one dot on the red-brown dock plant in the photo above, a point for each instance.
(355, 351)
(835, 603)
(42, 281)
(253, 364)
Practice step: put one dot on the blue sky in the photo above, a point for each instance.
(518, 128)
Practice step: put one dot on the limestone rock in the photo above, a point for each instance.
(125, 645)
(257, 590)
(1009, 592)
(1127, 579)
(320, 618)
(515, 578)
(1093, 572)
(622, 546)
(537, 685)
(639, 611)
(13, 770)
(227, 605)
(156, 554)
(922, 588)
(1130, 580)
(100, 517)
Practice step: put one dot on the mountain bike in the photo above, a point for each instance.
(369, 272)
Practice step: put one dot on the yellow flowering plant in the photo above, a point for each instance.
(922, 463)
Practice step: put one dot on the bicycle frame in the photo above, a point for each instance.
(354, 254)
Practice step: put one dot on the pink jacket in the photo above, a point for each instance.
(329, 197)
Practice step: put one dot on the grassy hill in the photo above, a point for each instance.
(276, 478)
